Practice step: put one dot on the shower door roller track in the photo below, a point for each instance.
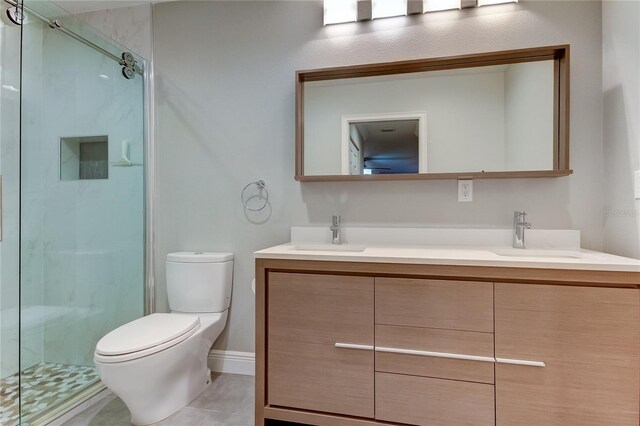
(130, 66)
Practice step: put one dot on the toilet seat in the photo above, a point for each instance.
(145, 336)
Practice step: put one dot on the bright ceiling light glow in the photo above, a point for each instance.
(339, 11)
(491, 2)
(436, 5)
(388, 8)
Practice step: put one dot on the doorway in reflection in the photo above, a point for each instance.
(384, 147)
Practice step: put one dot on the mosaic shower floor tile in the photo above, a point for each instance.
(44, 385)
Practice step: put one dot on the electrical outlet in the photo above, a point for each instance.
(465, 190)
(636, 184)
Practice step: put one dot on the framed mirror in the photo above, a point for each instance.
(490, 115)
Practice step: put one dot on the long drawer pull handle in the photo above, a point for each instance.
(435, 354)
(354, 346)
(520, 362)
(440, 354)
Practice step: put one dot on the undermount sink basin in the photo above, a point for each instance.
(546, 254)
(329, 247)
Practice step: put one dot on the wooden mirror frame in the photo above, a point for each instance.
(559, 54)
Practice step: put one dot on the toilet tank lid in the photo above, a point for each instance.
(199, 257)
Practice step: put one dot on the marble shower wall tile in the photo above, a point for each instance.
(86, 237)
(82, 250)
(129, 26)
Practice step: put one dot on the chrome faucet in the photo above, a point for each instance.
(335, 228)
(519, 225)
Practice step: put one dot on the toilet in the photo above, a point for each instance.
(158, 364)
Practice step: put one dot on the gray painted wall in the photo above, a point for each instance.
(225, 117)
(621, 91)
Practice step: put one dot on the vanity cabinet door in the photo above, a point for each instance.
(320, 343)
(566, 355)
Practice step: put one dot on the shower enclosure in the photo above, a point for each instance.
(72, 121)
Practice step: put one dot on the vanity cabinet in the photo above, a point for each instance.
(434, 351)
(589, 342)
(427, 401)
(343, 343)
(310, 317)
(441, 304)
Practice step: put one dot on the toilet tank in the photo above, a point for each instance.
(199, 281)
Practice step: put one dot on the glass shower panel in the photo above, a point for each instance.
(10, 35)
(82, 216)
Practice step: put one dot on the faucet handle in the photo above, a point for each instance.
(335, 228)
(520, 215)
(520, 219)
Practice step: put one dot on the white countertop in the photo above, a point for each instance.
(457, 255)
(546, 249)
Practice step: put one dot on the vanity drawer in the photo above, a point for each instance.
(447, 354)
(453, 305)
(428, 401)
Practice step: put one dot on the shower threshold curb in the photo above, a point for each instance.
(53, 416)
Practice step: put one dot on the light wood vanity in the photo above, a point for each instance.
(358, 343)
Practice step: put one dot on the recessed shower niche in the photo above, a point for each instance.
(84, 158)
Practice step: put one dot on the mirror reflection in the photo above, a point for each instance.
(480, 119)
(382, 146)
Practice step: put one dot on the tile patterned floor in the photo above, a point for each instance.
(44, 385)
(228, 401)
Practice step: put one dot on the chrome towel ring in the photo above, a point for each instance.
(261, 187)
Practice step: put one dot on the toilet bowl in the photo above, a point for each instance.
(158, 364)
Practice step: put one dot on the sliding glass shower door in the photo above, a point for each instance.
(82, 208)
(10, 36)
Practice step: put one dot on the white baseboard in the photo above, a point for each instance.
(232, 362)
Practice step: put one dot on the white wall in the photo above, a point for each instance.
(356, 138)
(225, 117)
(621, 91)
(465, 117)
(529, 116)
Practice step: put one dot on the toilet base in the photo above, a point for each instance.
(157, 386)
